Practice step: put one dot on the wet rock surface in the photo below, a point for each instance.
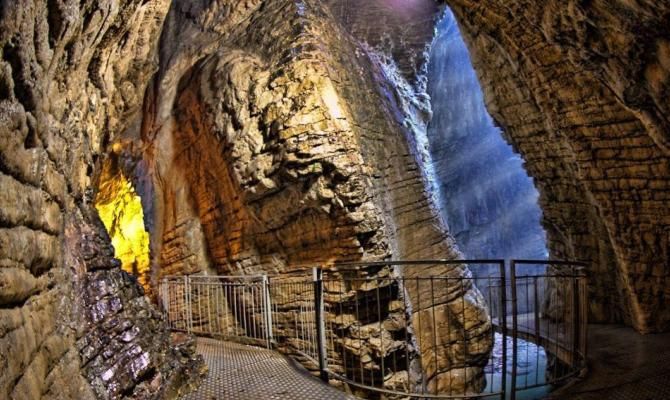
(128, 351)
(124, 346)
(403, 29)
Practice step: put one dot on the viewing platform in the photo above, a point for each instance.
(241, 372)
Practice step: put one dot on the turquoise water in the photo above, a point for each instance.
(531, 368)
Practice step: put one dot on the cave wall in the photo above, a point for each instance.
(72, 324)
(276, 143)
(579, 89)
(298, 162)
(402, 30)
(253, 149)
(269, 136)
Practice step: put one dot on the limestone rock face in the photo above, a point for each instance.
(275, 142)
(71, 73)
(257, 150)
(123, 342)
(267, 137)
(403, 29)
(577, 88)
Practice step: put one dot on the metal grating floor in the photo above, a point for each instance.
(240, 372)
(623, 366)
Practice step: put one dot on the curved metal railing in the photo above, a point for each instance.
(418, 329)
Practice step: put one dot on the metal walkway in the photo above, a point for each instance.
(240, 372)
(352, 321)
(624, 365)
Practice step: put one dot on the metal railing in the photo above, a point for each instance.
(236, 308)
(418, 329)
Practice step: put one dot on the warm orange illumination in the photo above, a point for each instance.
(120, 209)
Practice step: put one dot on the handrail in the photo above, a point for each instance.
(555, 262)
(335, 322)
(418, 262)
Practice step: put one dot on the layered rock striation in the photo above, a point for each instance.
(265, 135)
(70, 75)
(277, 141)
(576, 87)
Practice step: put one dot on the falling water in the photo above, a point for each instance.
(412, 108)
(474, 177)
(488, 200)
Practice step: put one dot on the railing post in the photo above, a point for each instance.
(575, 316)
(317, 274)
(536, 309)
(515, 328)
(164, 293)
(584, 322)
(187, 306)
(268, 310)
(502, 320)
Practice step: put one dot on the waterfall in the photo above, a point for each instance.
(487, 198)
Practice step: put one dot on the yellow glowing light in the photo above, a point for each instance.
(120, 209)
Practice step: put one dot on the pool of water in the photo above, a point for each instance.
(531, 368)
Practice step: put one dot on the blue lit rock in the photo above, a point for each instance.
(487, 198)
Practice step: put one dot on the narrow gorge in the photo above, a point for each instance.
(147, 140)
